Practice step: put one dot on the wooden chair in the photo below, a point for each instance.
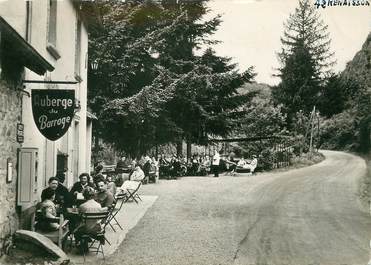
(58, 236)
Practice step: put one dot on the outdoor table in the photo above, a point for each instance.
(73, 211)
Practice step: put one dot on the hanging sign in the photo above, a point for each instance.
(53, 110)
(20, 132)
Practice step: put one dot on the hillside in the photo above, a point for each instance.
(360, 66)
(264, 89)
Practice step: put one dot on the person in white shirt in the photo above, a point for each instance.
(136, 177)
(215, 164)
(241, 163)
(252, 165)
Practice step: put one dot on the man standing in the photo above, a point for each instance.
(215, 164)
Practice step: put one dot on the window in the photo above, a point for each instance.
(52, 29)
(28, 20)
(78, 50)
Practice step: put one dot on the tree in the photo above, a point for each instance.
(305, 59)
(333, 97)
(350, 129)
(150, 88)
(208, 101)
(261, 119)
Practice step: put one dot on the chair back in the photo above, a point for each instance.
(120, 199)
(94, 216)
(120, 196)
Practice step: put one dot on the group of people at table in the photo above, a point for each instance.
(88, 195)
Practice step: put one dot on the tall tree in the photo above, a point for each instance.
(305, 59)
(150, 87)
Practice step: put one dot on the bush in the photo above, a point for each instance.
(338, 132)
(306, 159)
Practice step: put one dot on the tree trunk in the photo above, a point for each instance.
(179, 148)
(189, 150)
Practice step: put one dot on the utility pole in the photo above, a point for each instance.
(312, 120)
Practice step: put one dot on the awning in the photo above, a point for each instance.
(25, 53)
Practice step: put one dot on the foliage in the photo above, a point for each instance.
(305, 58)
(338, 132)
(150, 88)
(333, 97)
(261, 119)
(350, 129)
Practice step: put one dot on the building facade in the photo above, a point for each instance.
(43, 45)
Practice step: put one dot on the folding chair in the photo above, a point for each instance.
(120, 199)
(132, 192)
(96, 237)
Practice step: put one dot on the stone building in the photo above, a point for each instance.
(43, 45)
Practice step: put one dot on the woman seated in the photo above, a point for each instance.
(47, 219)
(111, 185)
(136, 177)
(78, 187)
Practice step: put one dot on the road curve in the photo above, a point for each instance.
(309, 216)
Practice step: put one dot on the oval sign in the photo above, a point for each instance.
(53, 110)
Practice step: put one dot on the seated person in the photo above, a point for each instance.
(103, 196)
(136, 177)
(48, 212)
(98, 174)
(230, 164)
(252, 164)
(195, 165)
(153, 170)
(62, 196)
(111, 185)
(123, 165)
(78, 187)
(137, 174)
(89, 206)
(164, 166)
(241, 163)
(206, 161)
(175, 167)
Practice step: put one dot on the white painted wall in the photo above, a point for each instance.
(14, 12)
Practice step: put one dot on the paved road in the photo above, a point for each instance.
(301, 217)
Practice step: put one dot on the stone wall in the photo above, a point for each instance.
(10, 115)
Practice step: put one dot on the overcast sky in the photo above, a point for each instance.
(251, 31)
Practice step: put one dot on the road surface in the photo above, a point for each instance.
(304, 216)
